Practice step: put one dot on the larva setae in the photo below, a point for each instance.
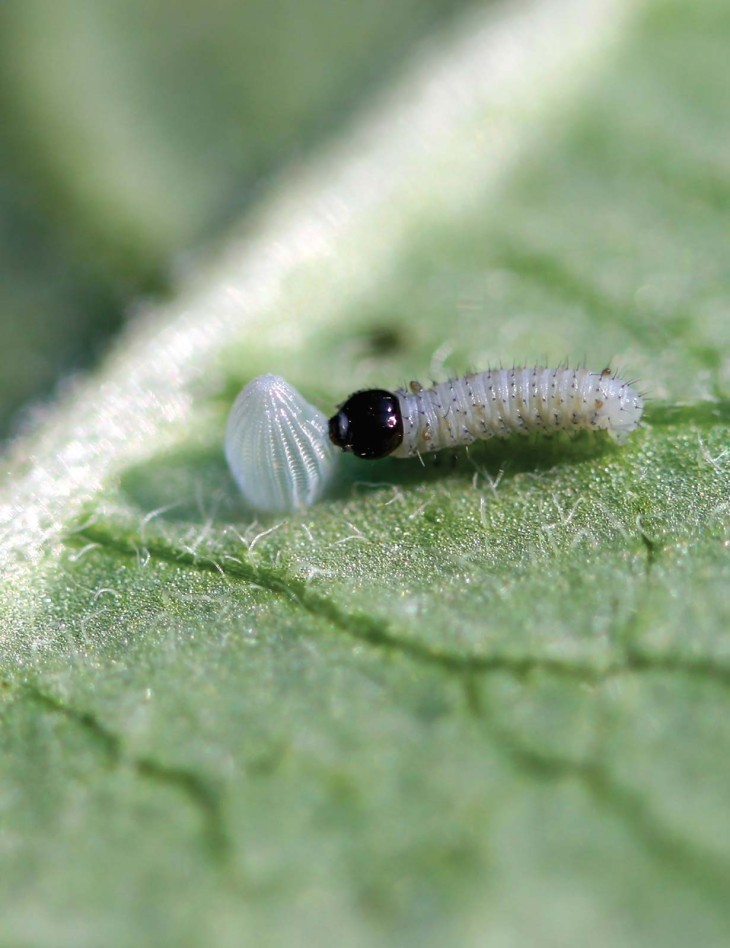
(493, 404)
(277, 447)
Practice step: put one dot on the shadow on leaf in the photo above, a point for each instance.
(193, 484)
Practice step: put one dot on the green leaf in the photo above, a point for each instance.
(132, 130)
(484, 702)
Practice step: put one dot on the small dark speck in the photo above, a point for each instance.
(384, 340)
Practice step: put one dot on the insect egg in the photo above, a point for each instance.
(277, 447)
(493, 404)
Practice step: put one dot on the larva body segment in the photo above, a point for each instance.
(502, 402)
(277, 446)
(493, 404)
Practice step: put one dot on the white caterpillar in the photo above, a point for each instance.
(492, 404)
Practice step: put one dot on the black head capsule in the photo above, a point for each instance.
(369, 424)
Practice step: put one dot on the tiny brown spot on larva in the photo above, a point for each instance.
(599, 404)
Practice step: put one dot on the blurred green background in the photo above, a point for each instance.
(134, 131)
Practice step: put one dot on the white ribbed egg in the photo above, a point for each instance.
(277, 447)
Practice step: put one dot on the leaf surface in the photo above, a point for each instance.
(483, 702)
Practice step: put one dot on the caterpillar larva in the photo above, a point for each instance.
(492, 404)
(277, 447)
